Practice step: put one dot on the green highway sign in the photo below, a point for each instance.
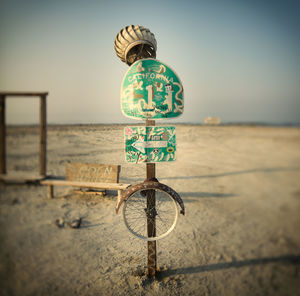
(151, 90)
(150, 144)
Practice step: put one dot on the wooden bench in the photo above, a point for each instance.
(92, 176)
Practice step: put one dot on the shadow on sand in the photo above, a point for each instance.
(193, 196)
(257, 170)
(287, 259)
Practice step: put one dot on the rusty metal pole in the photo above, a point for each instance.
(141, 45)
(151, 245)
(43, 135)
(2, 135)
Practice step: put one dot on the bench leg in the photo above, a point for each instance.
(119, 195)
(50, 191)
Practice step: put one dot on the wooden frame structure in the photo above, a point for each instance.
(43, 135)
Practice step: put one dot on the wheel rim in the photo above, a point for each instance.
(162, 216)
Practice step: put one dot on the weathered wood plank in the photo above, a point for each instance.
(43, 135)
(115, 186)
(43, 131)
(90, 172)
(90, 192)
(22, 94)
(50, 191)
(2, 136)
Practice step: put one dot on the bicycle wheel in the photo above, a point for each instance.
(150, 214)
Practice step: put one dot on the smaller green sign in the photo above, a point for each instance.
(150, 144)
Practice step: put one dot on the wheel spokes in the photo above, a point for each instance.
(153, 219)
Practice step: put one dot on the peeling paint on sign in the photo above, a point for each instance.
(150, 144)
(151, 90)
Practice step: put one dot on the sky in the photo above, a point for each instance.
(238, 60)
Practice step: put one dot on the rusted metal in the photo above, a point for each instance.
(151, 259)
(134, 43)
(151, 245)
(151, 184)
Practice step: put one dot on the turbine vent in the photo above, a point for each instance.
(134, 43)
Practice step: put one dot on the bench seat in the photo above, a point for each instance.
(95, 185)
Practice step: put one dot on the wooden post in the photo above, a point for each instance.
(50, 191)
(43, 135)
(2, 135)
(151, 245)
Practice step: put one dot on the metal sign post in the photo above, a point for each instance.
(150, 90)
(151, 229)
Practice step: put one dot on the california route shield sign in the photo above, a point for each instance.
(150, 144)
(151, 90)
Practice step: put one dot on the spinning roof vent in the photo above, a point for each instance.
(134, 43)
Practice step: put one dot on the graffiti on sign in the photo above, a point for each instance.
(150, 144)
(88, 172)
(151, 90)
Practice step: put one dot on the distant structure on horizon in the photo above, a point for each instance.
(212, 120)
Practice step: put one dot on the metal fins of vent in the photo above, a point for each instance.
(135, 42)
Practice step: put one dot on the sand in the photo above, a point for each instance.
(240, 234)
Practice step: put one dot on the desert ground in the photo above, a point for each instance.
(240, 234)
